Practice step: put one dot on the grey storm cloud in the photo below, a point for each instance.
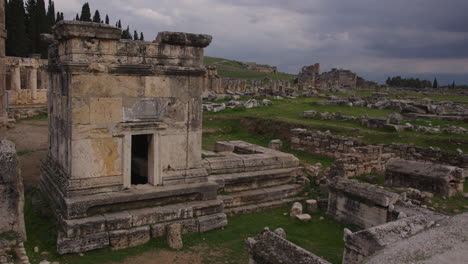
(375, 37)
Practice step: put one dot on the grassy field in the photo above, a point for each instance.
(235, 69)
(290, 111)
(322, 237)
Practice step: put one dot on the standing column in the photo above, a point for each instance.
(43, 78)
(15, 78)
(33, 82)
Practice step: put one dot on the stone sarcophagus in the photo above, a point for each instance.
(125, 127)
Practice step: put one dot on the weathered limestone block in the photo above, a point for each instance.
(439, 179)
(311, 206)
(174, 236)
(129, 238)
(210, 222)
(362, 244)
(296, 209)
(360, 204)
(11, 192)
(303, 217)
(85, 243)
(275, 144)
(271, 248)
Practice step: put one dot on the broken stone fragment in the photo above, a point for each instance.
(184, 39)
(296, 209)
(304, 217)
(174, 236)
(311, 206)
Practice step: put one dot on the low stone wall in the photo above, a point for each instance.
(434, 155)
(439, 179)
(365, 160)
(12, 195)
(324, 144)
(359, 204)
(273, 248)
(362, 244)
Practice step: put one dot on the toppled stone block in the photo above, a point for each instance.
(275, 144)
(184, 39)
(425, 176)
(303, 217)
(80, 244)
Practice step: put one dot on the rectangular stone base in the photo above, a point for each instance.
(135, 227)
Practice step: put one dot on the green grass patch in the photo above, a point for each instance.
(290, 111)
(322, 237)
(37, 117)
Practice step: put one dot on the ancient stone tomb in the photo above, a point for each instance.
(124, 160)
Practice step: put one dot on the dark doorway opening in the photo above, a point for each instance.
(140, 148)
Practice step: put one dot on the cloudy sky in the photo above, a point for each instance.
(375, 38)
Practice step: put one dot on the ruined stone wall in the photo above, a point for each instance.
(410, 152)
(11, 193)
(365, 160)
(261, 67)
(307, 78)
(26, 80)
(256, 87)
(324, 144)
(359, 204)
(212, 82)
(337, 78)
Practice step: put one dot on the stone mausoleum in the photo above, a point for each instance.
(125, 122)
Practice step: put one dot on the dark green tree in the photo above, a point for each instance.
(435, 84)
(97, 17)
(119, 24)
(126, 33)
(135, 35)
(107, 19)
(51, 14)
(85, 13)
(141, 36)
(17, 41)
(453, 85)
(77, 17)
(31, 25)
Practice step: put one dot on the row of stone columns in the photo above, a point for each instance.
(32, 80)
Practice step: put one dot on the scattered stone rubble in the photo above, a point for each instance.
(233, 104)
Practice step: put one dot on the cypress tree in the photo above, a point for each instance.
(435, 84)
(31, 25)
(135, 35)
(453, 85)
(141, 36)
(51, 14)
(17, 41)
(119, 24)
(85, 13)
(43, 27)
(77, 18)
(97, 17)
(107, 19)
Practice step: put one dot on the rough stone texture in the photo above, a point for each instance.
(443, 244)
(365, 243)
(256, 177)
(312, 206)
(303, 217)
(103, 91)
(440, 179)
(11, 192)
(296, 210)
(275, 144)
(19, 82)
(3, 35)
(271, 248)
(360, 204)
(174, 236)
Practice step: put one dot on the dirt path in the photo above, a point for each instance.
(31, 139)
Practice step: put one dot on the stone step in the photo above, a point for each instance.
(261, 195)
(242, 181)
(263, 206)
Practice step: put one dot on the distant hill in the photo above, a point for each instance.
(236, 69)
